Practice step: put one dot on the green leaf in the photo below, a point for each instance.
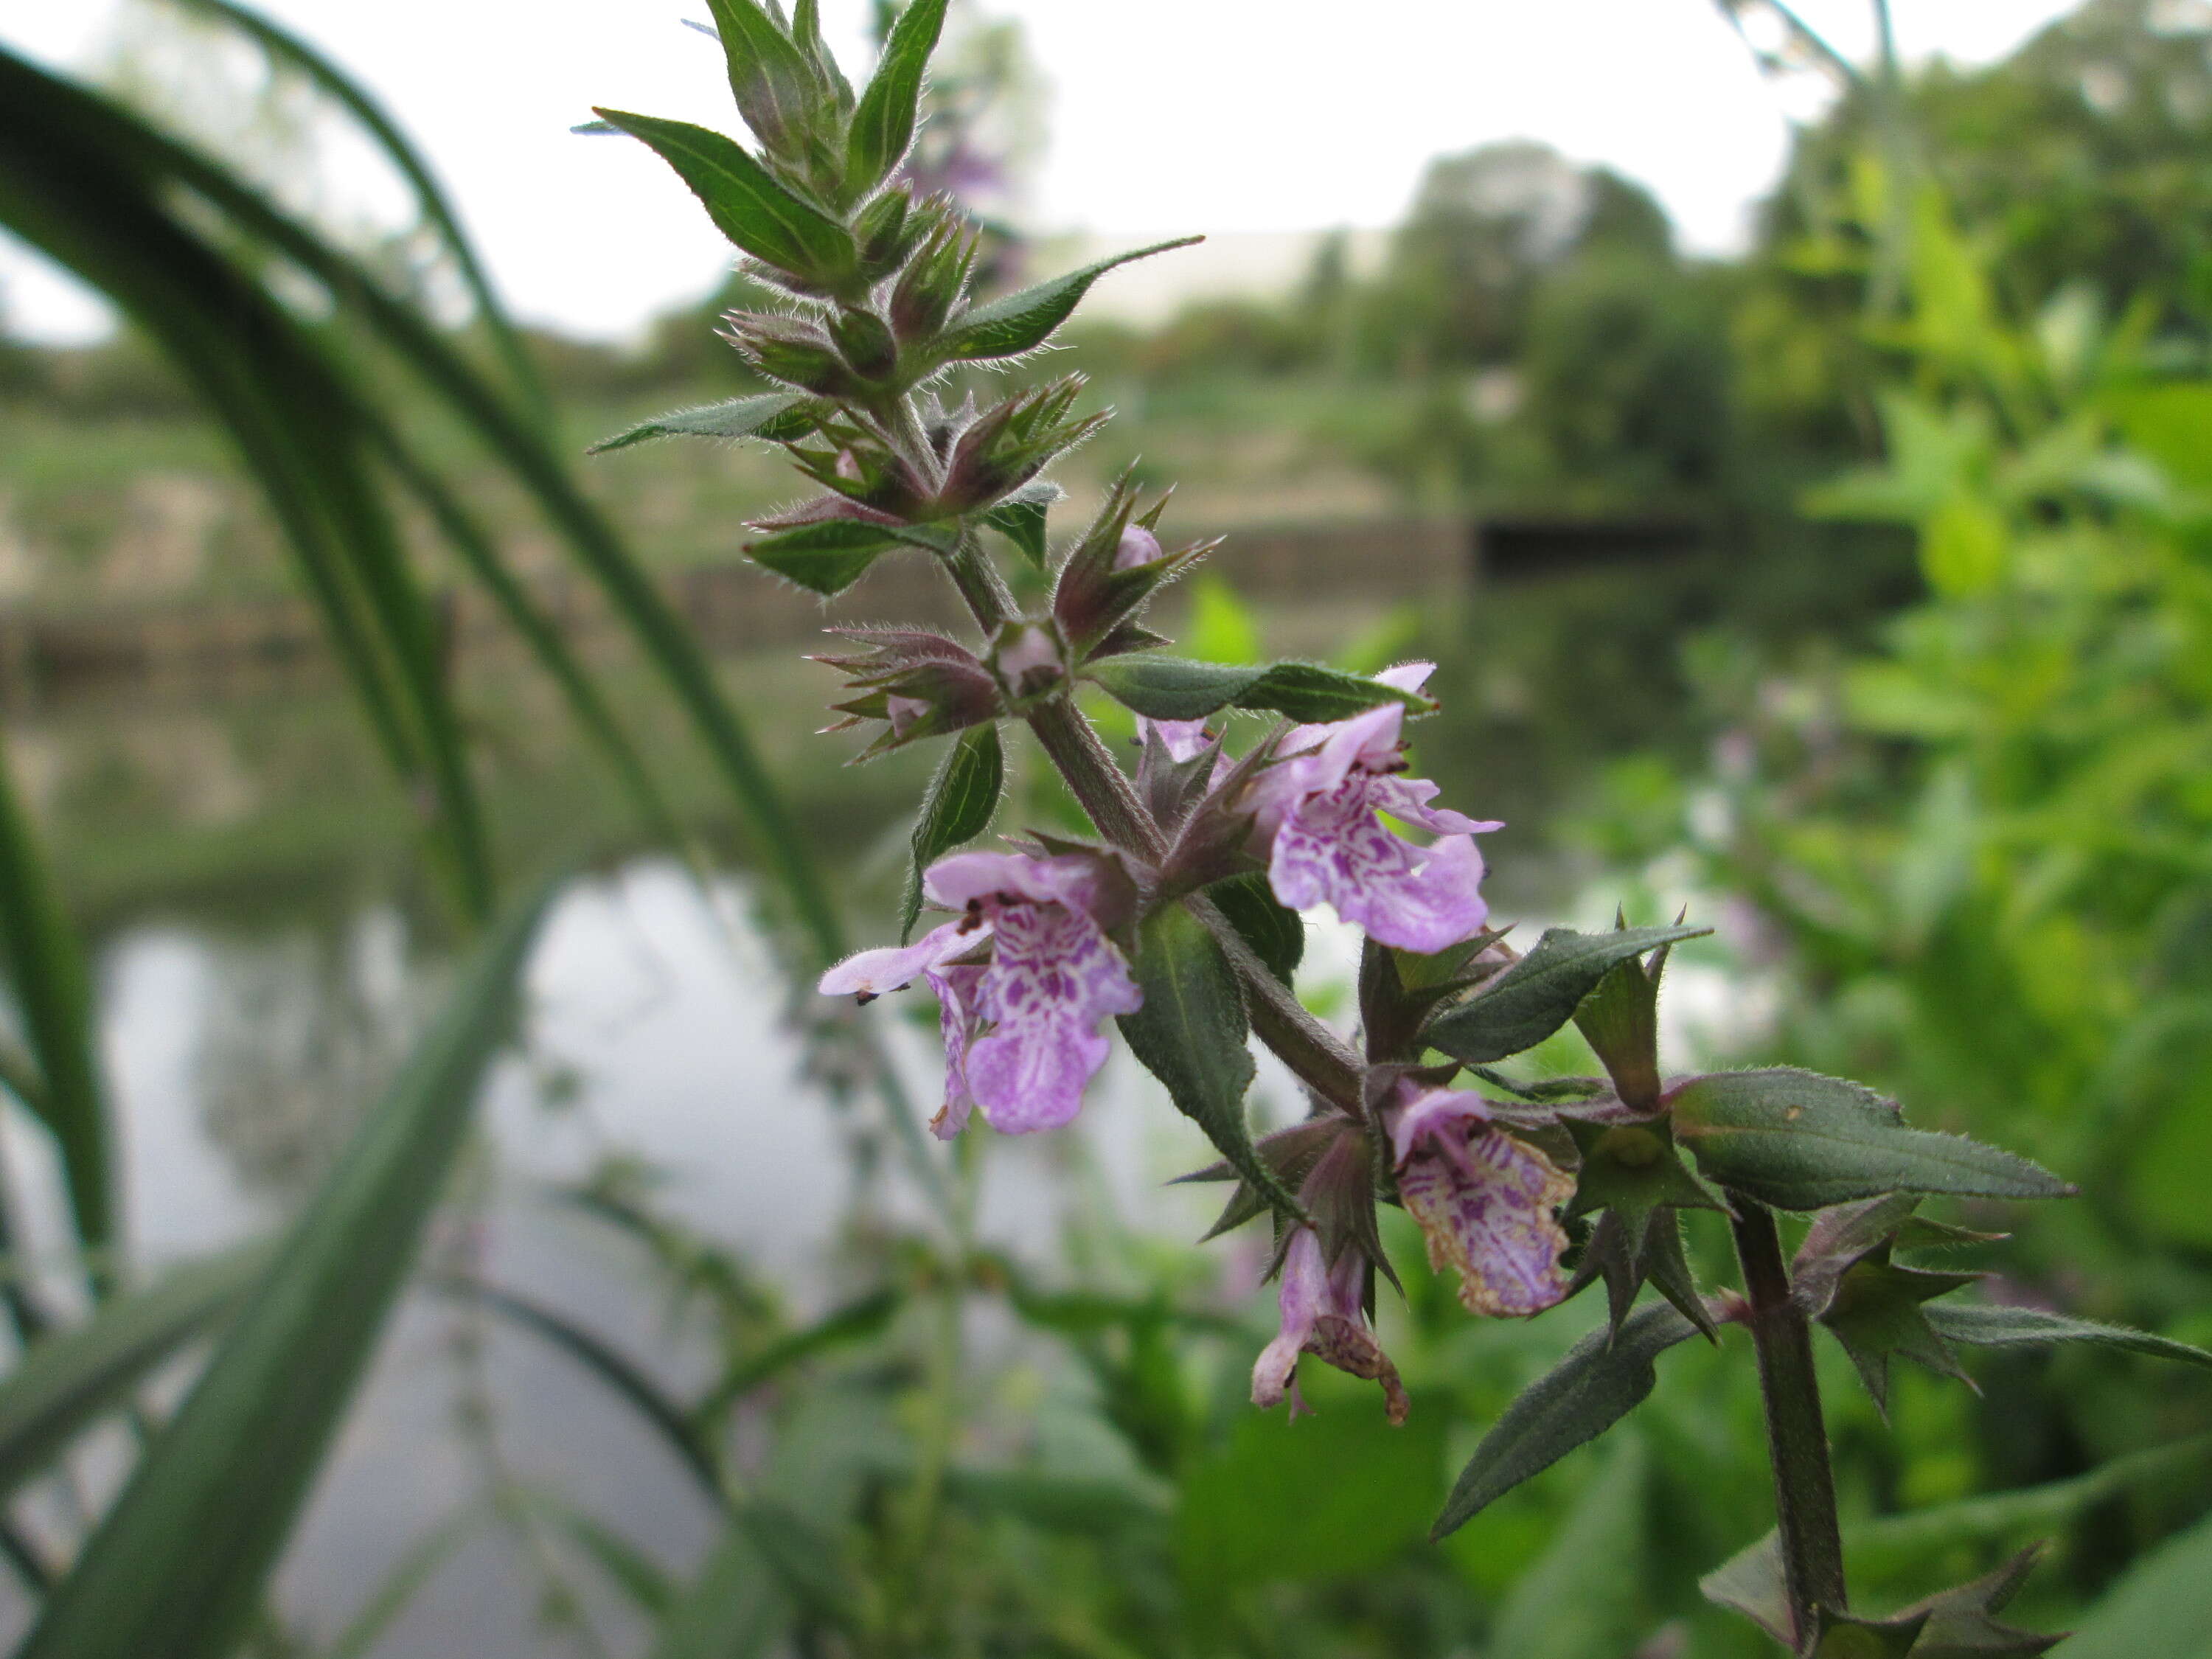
(961, 796)
(827, 557)
(1021, 519)
(2161, 1605)
(1593, 1388)
(1179, 689)
(775, 86)
(883, 121)
(1276, 932)
(1619, 1020)
(1751, 1583)
(43, 963)
(745, 202)
(1538, 995)
(178, 1564)
(1191, 1034)
(733, 1610)
(1985, 1325)
(772, 417)
(1798, 1140)
(1022, 322)
(72, 1378)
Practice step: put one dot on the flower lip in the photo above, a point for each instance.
(868, 974)
(966, 879)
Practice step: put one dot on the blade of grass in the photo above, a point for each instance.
(178, 1566)
(68, 1382)
(283, 397)
(44, 967)
(285, 46)
(43, 102)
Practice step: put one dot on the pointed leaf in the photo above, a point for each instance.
(827, 557)
(1276, 933)
(1751, 1582)
(774, 84)
(1846, 1636)
(1802, 1141)
(71, 1379)
(1593, 1388)
(772, 417)
(883, 121)
(744, 200)
(1022, 322)
(1538, 995)
(178, 1564)
(1178, 688)
(1191, 1034)
(961, 796)
(1021, 519)
(1619, 1020)
(1986, 1325)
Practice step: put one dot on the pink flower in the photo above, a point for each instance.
(1314, 819)
(1485, 1199)
(1324, 1314)
(1021, 1031)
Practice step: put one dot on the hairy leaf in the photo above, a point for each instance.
(1802, 1141)
(1276, 933)
(827, 557)
(770, 416)
(961, 796)
(1022, 322)
(1191, 1034)
(883, 121)
(1593, 1388)
(1178, 688)
(1538, 995)
(744, 200)
(1986, 1325)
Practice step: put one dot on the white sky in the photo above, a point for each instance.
(1166, 115)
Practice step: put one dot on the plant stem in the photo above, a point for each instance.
(1310, 1050)
(1796, 1438)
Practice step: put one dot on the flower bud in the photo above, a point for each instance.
(918, 684)
(866, 343)
(1028, 660)
(997, 451)
(793, 352)
(937, 277)
(1138, 546)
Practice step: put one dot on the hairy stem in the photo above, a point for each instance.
(1310, 1050)
(1796, 1438)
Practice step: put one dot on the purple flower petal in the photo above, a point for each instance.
(1484, 1202)
(869, 974)
(1332, 849)
(956, 990)
(1406, 676)
(1053, 977)
(1183, 739)
(1408, 799)
(964, 878)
